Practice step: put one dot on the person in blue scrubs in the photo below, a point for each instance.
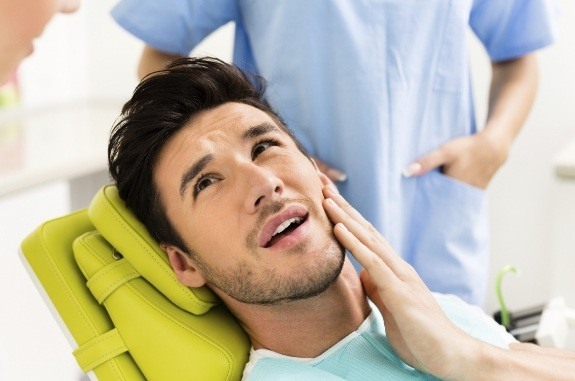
(380, 90)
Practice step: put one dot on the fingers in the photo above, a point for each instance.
(332, 193)
(426, 163)
(326, 181)
(370, 288)
(357, 235)
(371, 261)
(336, 175)
(332, 173)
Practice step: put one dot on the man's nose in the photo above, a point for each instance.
(262, 186)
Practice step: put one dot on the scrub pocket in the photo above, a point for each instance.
(450, 239)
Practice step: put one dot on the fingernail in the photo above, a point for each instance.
(411, 169)
(336, 175)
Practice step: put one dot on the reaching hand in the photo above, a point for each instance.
(472, 159)
(332, 173)
(415, 325)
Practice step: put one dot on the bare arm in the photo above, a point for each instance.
(153, 60)
(475, 159)
(416, 326)
(524, 362)
(513, 88)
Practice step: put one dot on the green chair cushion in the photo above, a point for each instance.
(128, 235)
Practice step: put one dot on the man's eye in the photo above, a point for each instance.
(203, 183)
(262, 146)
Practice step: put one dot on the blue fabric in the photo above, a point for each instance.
(367, 354)
(368, 86)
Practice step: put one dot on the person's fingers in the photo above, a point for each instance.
(392, 330)
(331, 172)
(370, 261)
(340, 211)
(336, 175)
(371, 289)
(331, 192)
(326, 181)
(358, 226)
(426, 163)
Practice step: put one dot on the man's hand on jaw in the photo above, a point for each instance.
(419, 331)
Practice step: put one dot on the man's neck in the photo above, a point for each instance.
(307, 328)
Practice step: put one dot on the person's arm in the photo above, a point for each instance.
(153, 60)
(524, 362)
(475, 159)
(332, 173)
(417, 328)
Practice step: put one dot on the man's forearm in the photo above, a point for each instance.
(491, 363)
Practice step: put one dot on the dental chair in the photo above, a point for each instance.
(111, 288)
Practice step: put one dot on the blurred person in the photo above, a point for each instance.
(21, 22)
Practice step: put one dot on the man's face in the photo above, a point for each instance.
(247, 202)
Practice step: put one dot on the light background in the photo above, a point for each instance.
(87, 57)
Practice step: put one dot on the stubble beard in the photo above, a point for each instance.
(250, 285)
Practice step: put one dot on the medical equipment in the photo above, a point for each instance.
(548, 325)
(557, 325)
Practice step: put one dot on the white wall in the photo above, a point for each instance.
(82, 56)
(86, 56)
(532, 211)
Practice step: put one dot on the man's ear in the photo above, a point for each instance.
(186, 271)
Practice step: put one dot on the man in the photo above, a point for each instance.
(382, 91)
(239, 206)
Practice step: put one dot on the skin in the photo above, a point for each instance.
(21, 22)
(153, 60)
(417, 328)
(473, 159)
(296, 286)
(237, 188)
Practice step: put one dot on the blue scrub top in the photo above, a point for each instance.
(369, 86)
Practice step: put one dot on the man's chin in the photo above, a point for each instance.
(309, 280)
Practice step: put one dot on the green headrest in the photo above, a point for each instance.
(119, 226)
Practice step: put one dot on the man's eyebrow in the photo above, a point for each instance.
(258, 130)
(193, 171)
(200, 164)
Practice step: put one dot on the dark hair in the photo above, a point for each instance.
(161, 105)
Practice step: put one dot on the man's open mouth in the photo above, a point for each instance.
(282, 225)
(287, 227)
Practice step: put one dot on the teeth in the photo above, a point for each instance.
(287, 223)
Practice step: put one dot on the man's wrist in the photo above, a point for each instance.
(479, 361)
